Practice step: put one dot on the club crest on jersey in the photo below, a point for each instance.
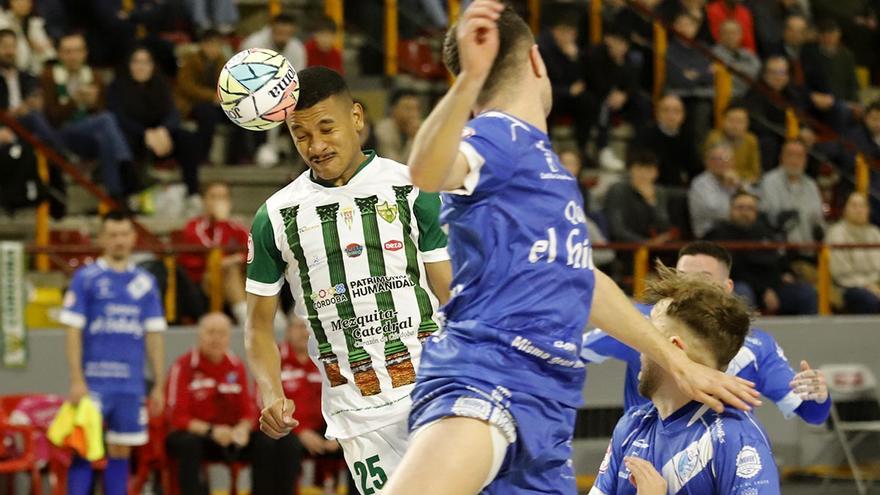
(388, 212)
(354, 250)
(393, 245)
(687, 462)
(250, 255)
(748, 462)
(347, 216)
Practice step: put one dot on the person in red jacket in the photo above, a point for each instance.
(215, 228)
(321, 48)
(212, 414)
(719, 11)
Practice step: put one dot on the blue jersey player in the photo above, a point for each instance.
(673, 445)
(498, 387)
(112, 312)
(760, 360)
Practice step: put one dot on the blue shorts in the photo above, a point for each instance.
(125, 417)
(538, 459)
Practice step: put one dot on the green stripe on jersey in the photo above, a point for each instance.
(426, 325)
(333, 250)
(376, 259)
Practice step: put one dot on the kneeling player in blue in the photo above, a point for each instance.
(760, 360)
(113, 314)
(695, 450)
(498, 387)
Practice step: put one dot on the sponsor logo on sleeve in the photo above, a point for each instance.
(603, 468)
(748, 462)
(393, 245)
(250, 255)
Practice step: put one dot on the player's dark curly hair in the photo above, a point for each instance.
(515, 40)
(719, 320)
(316, 84)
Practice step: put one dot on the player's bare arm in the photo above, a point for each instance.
(435, 162)
(440, 278)
(613, 312)
(78, 388)
(156, 355)
(276, 418)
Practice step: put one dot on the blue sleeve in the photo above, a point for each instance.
(744, 465)
(485, 144)
(775, 375)
(76, 301)
(153, 314)
(814, 412)
(598, 346)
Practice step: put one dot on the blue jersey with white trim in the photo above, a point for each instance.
(760, 360)
(696, 450)
(113, 310)
(522, 266)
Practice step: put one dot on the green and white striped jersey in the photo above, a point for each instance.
(354, 256)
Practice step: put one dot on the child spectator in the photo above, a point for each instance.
(321, 47)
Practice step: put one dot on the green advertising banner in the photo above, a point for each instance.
(13, 335)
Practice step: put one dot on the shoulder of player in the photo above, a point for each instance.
(388, 170)
(138, 271)
(88, 272)
(289, 195)
(632, 420)
(760, 342)
(734, 427)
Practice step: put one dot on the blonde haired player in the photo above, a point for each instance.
(367, 265)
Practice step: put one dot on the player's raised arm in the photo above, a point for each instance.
(613, 312)
(435, 162)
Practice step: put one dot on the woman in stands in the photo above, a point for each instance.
(143, 102)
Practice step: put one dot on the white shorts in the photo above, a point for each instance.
(373, 456)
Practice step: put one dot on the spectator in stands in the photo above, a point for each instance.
(114, 320)
(795, 34)
(858, 20)
(866, 136)
(213, 413)
(20, 91)
(762, 276)
(791, 199)
(197, 88)
(770, 19)
(143, 103)
(720, 11)
(636, 207)
(613, 85)
(221, 15)
(856, 271)
(567, 71)
(74, 102)
(215, 228)
(321, 47)
(710, 192)
(729, 49)
(34, 45)
(676, 153)
(302, 384)
(735, 132)
(834, 64)
(395, 133)
(53, 12)
(689, 75)
(767, 117)
(279, 35)
(669, 10)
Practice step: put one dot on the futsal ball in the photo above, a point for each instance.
(258, 88)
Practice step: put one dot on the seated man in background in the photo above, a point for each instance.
(676, 153)
(215, 229)
(730, 50)
(791, 199)
(735, 132)
(636, 206)
(866, 136)
(710, 192)
(676, 445)
(690, 76)
(760, 360)
(763, 277)
(74, 100)
(213, 412)
(394, 133)
(856, 271)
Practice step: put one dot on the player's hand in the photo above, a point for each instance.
(78, 390)
(478, 39)
(313, 442)
(157, 401)
(810, 384)
(241, 434)
(712, 387)
(276, 419)
(222, 434)
(644, 477)
(331, 446)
